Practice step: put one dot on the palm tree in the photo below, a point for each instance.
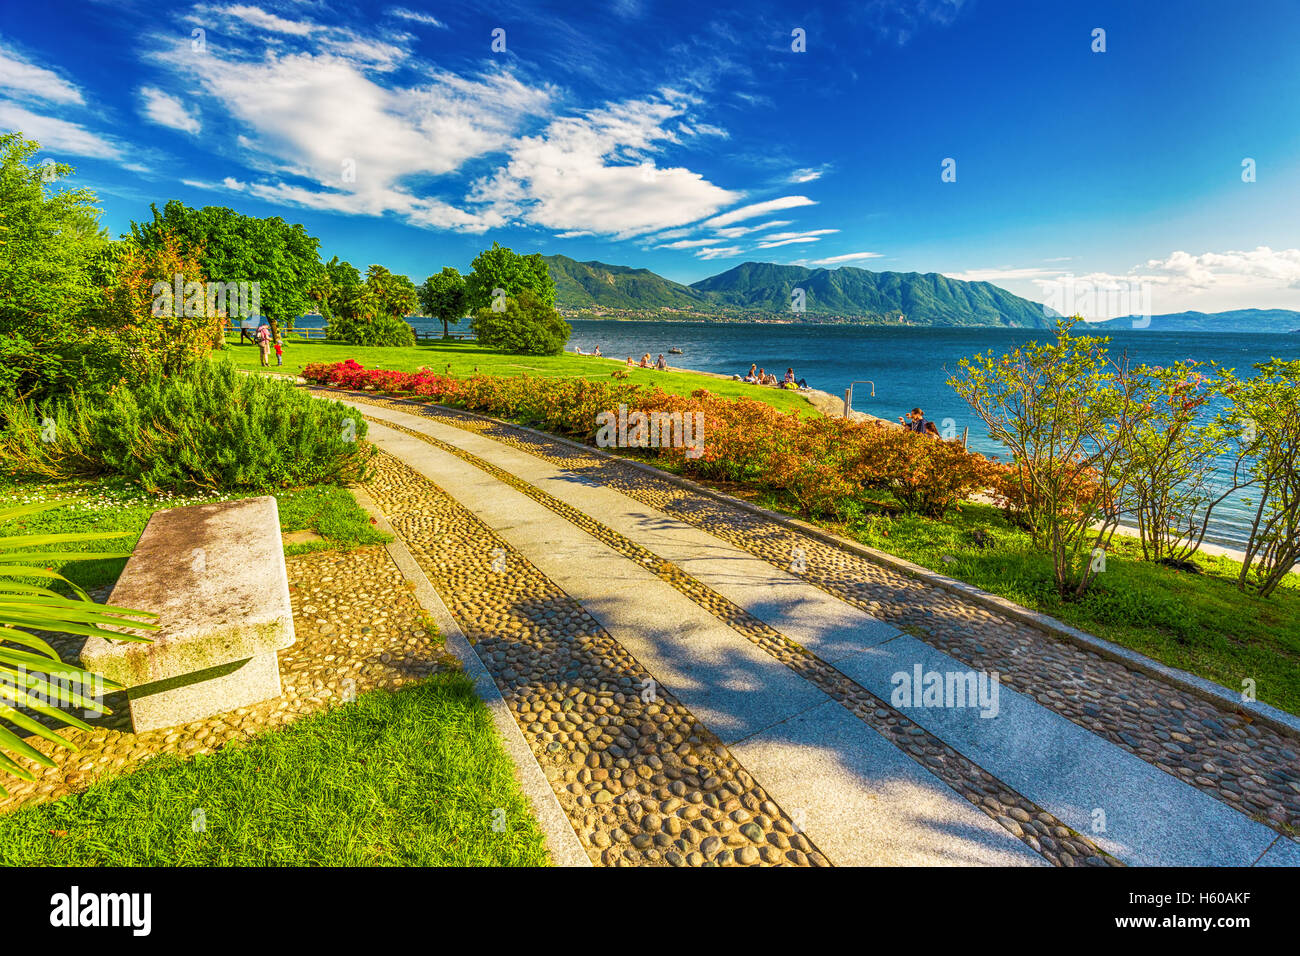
(28, 664)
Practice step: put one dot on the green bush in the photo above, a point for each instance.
(383, 330)
(209, 427)
(526, 325)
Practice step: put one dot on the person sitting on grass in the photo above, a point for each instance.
(597, 352)
(661, 365)
(645, 360)
(630, 363)
(791, 383)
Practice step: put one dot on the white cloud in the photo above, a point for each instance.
(758, 209)
(735, 232)
(57, 134)
(691, 243)
(19, 76)
(1003, 274)
(416, 17)
(592, 172)
(847, 257)
(258, 18)
(166, 110)
(789, 238)
(723, 252)
(806, 175)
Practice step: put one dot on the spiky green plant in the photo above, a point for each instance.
(29, 665)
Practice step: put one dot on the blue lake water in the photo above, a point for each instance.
(909, 366)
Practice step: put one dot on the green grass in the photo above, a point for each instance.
(414, 777)
(466, 357)
(113, 504)
(1198, 622)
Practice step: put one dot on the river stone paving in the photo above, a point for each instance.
(1036, 827)
(1251, 768)
(358, 628)
(641, 780)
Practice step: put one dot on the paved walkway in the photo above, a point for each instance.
(782, 661)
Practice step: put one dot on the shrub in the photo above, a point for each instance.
(526, 325)
(378, 330)
(208, 427)
(823, 465)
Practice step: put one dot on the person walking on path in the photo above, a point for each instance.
(264, 344)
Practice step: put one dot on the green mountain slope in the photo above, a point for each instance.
(585, 285)
(766, 288)
(922, 298)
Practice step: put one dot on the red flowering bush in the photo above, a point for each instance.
(820, 463)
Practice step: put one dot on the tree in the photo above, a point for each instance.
(526, 324)
(1171, 451)
(444, 297)
(332, 284)
(1267, 409)
(281, 258)
(162, 329)
(53, 260)
(502, 268)
(374, 312)
(1061, 408)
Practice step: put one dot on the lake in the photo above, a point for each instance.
(910, 366)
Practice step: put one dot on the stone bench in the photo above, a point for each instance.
(215, 576)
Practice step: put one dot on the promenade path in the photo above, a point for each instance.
(702, 684)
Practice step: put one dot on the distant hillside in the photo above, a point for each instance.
(766, 288)
(585, 285)
(923, 298)
(1238, 320)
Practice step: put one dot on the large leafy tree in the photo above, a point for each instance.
(333, 285)
(374, 313)
(526, 325)
(231, 247)
(502, 268)
(54, 259)
(443, 296)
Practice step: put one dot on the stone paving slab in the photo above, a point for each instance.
(1151, 818)
(804, 613)
(867, 802)
(737, 691)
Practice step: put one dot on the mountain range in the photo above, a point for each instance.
(758, 291)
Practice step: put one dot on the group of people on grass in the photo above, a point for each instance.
(265, 341)
(660, 364)
(758, 376)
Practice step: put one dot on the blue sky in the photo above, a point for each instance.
(691, 137)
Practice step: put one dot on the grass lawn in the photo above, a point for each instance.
(464, 358)
(414, 777)
(1198, 622)
(112, 504)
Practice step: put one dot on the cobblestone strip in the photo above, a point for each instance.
(1251, 768)
(1039, 829)
(642, 782)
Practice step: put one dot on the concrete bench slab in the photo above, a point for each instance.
(215, 576)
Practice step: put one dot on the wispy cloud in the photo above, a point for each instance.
(758, 209)
(847, 257)
(21, 77)
(788, 238)
(57, 134)
(167, 110)
(417, 17)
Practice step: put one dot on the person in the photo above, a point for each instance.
(630, 363)
(645, 360)
(597, 352)
(791, 383)
(264, 344)
(915, 421)
(661, 365)
(932, 431)
(752, 377)
(279, 350)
